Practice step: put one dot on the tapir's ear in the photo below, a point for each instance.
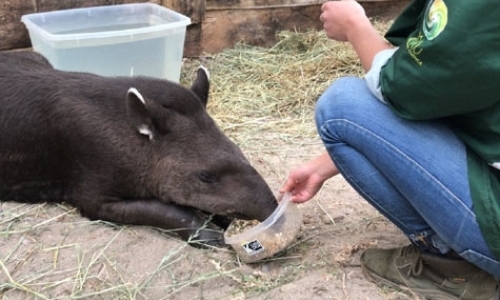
(138, 113)
(201, 85)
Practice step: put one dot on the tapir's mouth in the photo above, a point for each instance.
(222, 221)
(238, 216)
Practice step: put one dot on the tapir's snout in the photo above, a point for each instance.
(263, 207)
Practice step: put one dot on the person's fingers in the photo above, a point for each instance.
(288, 185)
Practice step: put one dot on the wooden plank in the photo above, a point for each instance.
(193, 46)
(216, 24)
(12, 31)
(194, 9)
(256, 22)
(385, 9)
(258, 4)
(221, 29)
(267, 4)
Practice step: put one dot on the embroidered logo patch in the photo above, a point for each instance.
(436, 17)
(413, 46)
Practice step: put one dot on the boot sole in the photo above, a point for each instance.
(427, 294)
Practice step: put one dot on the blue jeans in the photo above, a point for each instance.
(414, 173)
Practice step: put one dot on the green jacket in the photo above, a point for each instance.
(448, 67)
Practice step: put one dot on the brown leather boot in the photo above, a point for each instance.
(429, 275)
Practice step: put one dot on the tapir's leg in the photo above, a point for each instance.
(188, 225)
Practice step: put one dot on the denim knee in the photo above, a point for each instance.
(342, 91)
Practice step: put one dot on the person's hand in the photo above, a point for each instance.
(302, 183)
(340, 17)
(305, 181)
(346, 21)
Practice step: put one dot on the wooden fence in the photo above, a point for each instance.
(216, 24)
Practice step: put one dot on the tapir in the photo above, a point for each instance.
(130, 150)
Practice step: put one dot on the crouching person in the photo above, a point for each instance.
(419, 139)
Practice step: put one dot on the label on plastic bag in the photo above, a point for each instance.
(253, 247)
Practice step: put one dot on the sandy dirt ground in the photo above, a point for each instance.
(49, 251)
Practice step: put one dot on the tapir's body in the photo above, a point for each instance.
(128, 150)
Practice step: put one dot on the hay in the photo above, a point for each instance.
(257, 96)
(254, 89)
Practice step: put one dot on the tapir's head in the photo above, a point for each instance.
(193, 163)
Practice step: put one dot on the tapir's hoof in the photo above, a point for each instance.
(208, 238)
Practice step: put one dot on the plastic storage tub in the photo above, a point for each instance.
(116, 40)
(270, 237)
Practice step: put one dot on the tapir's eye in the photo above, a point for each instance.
(208, 177)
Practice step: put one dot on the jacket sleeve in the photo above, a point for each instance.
(449, 64)
(372, 77)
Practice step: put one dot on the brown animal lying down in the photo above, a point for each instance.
(128, 150)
